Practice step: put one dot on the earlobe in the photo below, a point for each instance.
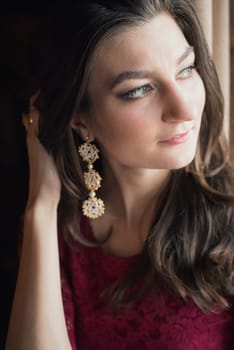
(79, 124)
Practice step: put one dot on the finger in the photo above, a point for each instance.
(33, 112)
(33, 98)
(25, 120)
(33, 118)
(30, 121)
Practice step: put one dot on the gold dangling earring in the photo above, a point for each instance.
(92, 207)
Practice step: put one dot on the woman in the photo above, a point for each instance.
(147, 261)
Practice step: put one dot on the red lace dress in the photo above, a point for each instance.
(155, 323)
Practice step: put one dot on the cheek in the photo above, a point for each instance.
(108, 124)
(200, 96)
(114, 119)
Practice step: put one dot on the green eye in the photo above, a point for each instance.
(138, 92)
(187, 72)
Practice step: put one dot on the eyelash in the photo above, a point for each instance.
(146, 88)
(189, 68)
(130, 94)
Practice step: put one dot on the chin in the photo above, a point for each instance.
(180, 162)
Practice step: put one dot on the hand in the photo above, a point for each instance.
(44, 182)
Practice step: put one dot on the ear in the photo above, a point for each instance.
(79, 123)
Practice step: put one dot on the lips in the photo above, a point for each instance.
(178, 138)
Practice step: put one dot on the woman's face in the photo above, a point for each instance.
(147, 97)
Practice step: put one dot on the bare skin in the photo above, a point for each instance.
(37, 319)
(138, 138)
(136, 119)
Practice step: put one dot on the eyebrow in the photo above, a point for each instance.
(141, 74)
(187, 52)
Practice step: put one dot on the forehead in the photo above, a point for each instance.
(139, 45)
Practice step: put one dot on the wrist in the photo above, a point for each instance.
(40, 211)
(38, 204)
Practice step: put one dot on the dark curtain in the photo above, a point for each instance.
(22, 54)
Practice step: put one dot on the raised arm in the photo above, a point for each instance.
(37, 318)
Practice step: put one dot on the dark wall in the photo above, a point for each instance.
(21, 52)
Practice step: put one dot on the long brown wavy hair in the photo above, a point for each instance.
(190, 246)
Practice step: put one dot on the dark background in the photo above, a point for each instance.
(23, 56)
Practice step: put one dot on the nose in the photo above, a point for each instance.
(178, 104)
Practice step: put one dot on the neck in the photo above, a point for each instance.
(131, 193)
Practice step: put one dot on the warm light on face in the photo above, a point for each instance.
(147, 97)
